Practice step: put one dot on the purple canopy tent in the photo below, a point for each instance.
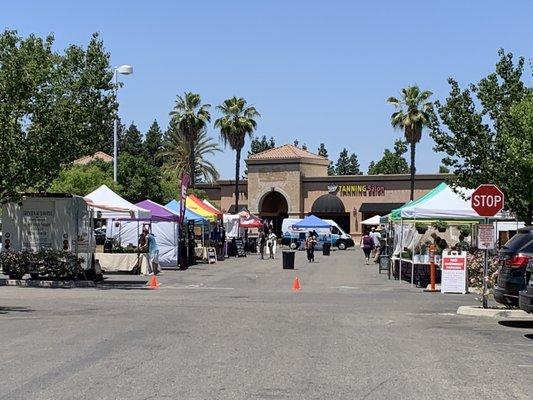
(164, 224)
(159, 212)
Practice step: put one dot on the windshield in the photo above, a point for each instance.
(522, 241)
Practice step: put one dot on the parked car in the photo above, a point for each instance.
(525, 298)
(514, 256)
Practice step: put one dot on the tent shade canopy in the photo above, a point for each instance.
(111, 206)
(311, 221)
(174, 206)
(159, 212)
(375, 220)
(441, 203)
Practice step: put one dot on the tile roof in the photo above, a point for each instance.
(285, 151)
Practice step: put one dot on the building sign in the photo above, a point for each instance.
(453, 279)
(485, 236)
(37, 220)
(360, 190)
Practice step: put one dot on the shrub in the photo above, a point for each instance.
(465, 230)
(474, 261)
(59, 264)
(15, 263)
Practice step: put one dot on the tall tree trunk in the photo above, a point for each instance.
(413, 169)
(192, 163)
(237, 170)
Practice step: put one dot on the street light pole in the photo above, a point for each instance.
(115, 131)
(124, 70)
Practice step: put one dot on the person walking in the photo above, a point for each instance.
(262, 243)
(310, 243)
(271, 242)
(367, 243)
(376, 239)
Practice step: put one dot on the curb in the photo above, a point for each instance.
(47, 284)
(477, 311)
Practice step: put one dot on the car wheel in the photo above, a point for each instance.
(342, 246)
(34, 276)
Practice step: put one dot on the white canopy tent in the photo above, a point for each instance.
(441, 203)
(110, 205)
(375, 220)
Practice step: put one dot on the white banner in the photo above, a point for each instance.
(453, 279)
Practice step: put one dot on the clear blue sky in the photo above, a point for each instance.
(319, 71)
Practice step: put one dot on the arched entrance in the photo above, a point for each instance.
(329, 206)
(274, 207)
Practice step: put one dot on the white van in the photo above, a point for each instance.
(53, 221)
(294, 237)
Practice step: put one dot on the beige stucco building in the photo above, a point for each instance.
(291, 182)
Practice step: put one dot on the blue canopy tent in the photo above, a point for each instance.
(174, 205)
(311, 222)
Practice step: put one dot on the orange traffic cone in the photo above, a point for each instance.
(153, 283)
(296, 285)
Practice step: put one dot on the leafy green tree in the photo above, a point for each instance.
(83, 179)
(444, 170)
(131, 142)
(238, 121)
(485, 131)
(322, 151)
(392, 162)
(342, 165)
(411, 116)
(139, 180)
(353, 165)
(258, 145)
(54, 108)
(191, 117)
(176, 153)
(153, 144)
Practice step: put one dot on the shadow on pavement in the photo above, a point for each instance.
(517, 324)
(529, 336)
(8, 309)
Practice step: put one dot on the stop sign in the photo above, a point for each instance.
(487, 200)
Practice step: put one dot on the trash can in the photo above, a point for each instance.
(326, 248)
(288, 259)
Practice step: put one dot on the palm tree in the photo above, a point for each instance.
(191, 118)
(236, 123)
(177, 155)
(411, 116)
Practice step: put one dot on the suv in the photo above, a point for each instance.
(525, 298)
(515, 255)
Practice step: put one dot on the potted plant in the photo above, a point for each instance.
(441, 226)
(421, 227)
(424, 256)
(465, 230)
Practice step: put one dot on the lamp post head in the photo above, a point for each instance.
(125, 69)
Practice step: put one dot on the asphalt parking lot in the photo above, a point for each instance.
(236, 330)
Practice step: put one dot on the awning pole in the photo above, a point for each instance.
(413, 265)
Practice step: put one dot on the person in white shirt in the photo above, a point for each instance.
(376, 250)
(271, 243)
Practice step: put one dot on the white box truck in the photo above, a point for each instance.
(51, 221)
(294, 237)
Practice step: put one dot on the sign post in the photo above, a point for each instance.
(182, 259)
(432, 272)
(487, 200)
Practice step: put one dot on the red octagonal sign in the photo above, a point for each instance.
(487, 200)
